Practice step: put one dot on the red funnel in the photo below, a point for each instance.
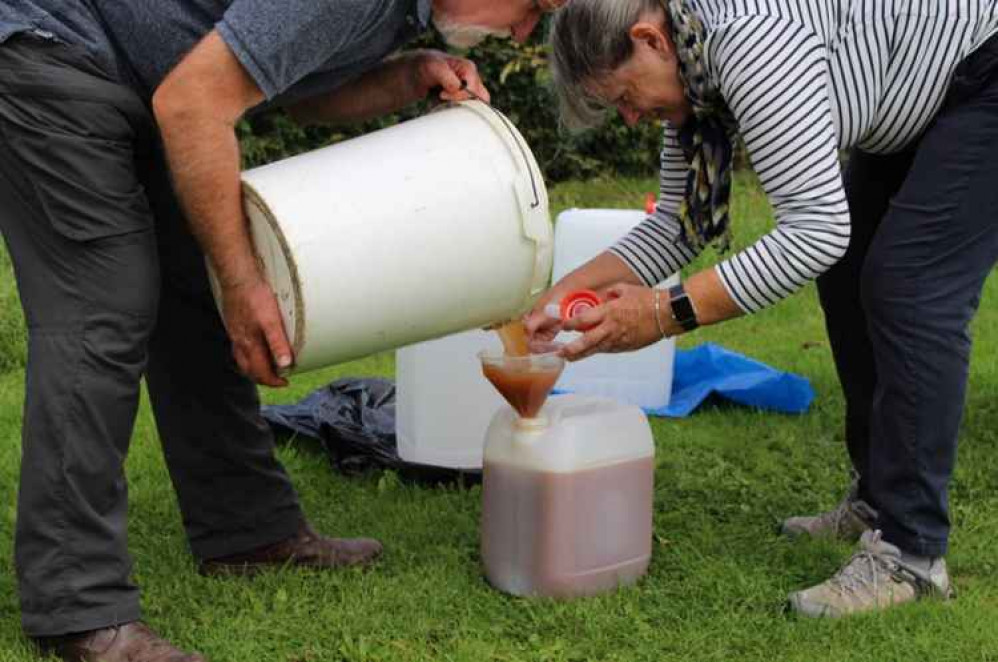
(525, 381)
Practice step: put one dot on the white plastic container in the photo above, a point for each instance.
(426, 228)
(567, 503)
(443, 404)
(642, 378)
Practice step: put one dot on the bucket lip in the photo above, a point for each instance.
(253, 198)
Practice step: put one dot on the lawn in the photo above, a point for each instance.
(719, 576)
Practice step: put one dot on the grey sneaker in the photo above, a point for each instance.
(874, 578)
(850, 519)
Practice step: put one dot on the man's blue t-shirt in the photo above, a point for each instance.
(291, 48)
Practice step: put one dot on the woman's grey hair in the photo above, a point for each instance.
(589, 39)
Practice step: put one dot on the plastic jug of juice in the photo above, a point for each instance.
(567, 494)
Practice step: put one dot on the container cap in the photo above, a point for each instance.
(578, 302)
(650, 203)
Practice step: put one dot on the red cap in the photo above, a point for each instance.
(650, 202)
(578, 302)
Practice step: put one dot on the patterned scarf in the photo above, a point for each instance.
(706, 138)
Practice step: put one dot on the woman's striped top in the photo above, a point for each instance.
(805, 78)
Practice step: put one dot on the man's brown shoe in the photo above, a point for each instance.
(132, 642)
(304, 549)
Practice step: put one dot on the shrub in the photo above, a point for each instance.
(517, 77)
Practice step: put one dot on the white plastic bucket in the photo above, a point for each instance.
(642, 378)
(430, 227)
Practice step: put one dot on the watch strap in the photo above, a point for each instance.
(682, 308)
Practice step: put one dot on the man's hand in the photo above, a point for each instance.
(453, 74)
(197, 106)
(626, 322)
(253, 321)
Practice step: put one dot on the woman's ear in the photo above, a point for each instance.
(652, 36)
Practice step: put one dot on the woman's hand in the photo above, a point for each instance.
(626, 322)
(457, 77)
(541, 327)
(603, 270)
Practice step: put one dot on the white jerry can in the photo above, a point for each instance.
(567, 498)
(643, 377)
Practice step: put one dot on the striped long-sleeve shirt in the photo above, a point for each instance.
(805, 78)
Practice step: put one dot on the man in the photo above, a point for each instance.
(97, 99)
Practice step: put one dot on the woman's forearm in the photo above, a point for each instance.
(601, 272)
(711, 300)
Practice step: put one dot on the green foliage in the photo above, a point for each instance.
(517, 77)
(270, 136)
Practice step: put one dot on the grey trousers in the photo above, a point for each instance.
(114, 288)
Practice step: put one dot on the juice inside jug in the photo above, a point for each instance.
(567, 534)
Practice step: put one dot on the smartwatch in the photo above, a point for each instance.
(682, 308)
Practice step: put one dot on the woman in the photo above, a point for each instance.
(900, 246)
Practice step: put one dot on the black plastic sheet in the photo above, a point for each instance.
(354, 420)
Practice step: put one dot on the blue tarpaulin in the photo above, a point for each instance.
(710, 369)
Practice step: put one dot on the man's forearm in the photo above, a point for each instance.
(390, 87)
(204, 160)
(197, 107)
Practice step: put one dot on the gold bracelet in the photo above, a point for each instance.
(658, 311)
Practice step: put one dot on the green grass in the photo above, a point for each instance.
(12, 337)
(719, 575)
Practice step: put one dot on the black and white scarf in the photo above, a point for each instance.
(707, 138)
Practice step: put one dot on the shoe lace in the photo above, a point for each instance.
(835, 519)
(852, 505)
(864, 571)
(867, 570)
